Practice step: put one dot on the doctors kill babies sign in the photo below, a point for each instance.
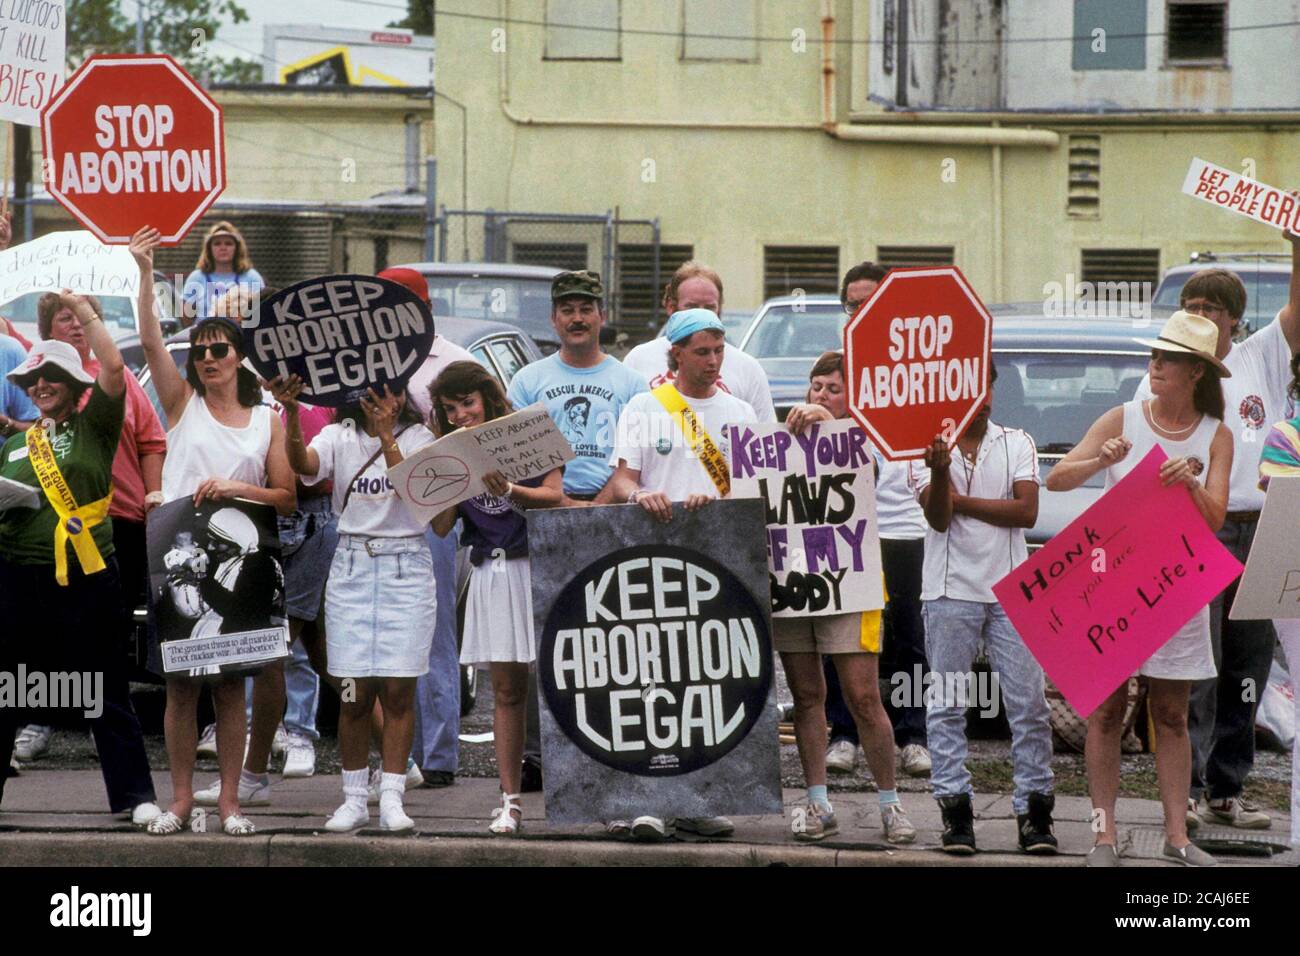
(341, 335)
(655, 662)
(819, 498)
(132, 141)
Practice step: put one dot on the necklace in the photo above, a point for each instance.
(1151, 413)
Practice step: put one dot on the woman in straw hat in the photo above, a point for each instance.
(1185, 418)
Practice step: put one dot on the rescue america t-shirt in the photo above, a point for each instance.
(585, 404)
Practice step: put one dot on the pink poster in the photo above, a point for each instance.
(1108, 591)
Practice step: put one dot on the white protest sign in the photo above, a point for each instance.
(31, 58)
(1270, 587)
(520, 446)
(819, 495)
(1246, 197)
(73, 260)
(242, 647)
(14, 494)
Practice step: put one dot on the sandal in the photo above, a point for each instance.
(238, 825)
(165, 824)
(503, 818)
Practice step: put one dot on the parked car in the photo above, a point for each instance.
(1055, 376)
(119, 317)
(501, 348)
(1266, 275)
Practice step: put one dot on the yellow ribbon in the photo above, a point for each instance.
(697, 439)
(75, 521)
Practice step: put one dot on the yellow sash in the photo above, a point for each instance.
(697, 439)
(74, 522)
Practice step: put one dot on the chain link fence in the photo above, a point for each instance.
(626, 252)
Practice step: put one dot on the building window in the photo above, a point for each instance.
(811, 269)
(1196, 33)
(897, 257)
(1138, 266)
(1084, 193)
(640, 287)
(583, 30)
(1110, 35)
(720, 30)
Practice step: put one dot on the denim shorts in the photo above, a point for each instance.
(380, 607)
(308, 538)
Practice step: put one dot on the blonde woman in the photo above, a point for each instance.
(224, 264)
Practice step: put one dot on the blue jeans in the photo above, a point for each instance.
(302, 693)
(953, 632)
(437, 694)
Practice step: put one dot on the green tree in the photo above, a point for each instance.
(181, 28)
(419, 17)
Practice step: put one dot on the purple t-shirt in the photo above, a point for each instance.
(492, 523)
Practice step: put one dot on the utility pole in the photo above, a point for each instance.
(139, 26)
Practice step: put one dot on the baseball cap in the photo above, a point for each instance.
(584, 283)
(409, 278)
(51, 352)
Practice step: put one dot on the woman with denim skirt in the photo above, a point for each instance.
(381, 602)
(498, 605)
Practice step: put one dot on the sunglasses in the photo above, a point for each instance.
(218, 350)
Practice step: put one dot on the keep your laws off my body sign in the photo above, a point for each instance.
(341, 335)
(819, 499)
(1108, 591)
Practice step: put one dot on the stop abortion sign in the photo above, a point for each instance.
(133, 141)
(917, 360)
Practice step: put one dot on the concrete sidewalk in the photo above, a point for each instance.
(56, 817)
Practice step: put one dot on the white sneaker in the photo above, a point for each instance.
(207, 742)
(841, 757)
(145, 813)
(649, 829)
(250, 794)
(915, 760)
(350, 816)
(280, 742)
(299, 756)
(392, 816)
(14, 765)
(705, 826)
(414, 778)
(32, 741)
(618, 828)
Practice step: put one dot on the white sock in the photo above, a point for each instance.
(392, 783)
(356, 785)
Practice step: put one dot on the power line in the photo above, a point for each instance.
(838, 41)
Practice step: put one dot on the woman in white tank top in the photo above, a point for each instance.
(1185, 418)
(224, 443)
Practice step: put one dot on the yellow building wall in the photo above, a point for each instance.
(656, 136)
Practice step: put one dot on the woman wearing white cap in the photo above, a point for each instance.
(1185, 418)
(60, 600)
(224, 443)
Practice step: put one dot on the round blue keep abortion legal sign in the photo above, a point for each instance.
(341, 335)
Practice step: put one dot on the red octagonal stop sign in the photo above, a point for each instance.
(917, 356)
(132, 141)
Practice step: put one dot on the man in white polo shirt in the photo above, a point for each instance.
(1221, 713)
(978, 501)
(658, 463)
(696, 286)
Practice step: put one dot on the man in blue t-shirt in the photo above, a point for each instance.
(582, 387)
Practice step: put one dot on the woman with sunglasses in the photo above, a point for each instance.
(1185, 419)
(224, 443)
(60, 601)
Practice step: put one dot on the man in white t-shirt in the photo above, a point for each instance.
(978, 501)
(1221, 712)
(696, 286)
(656, 465)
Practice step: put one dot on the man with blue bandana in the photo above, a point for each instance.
(663, 455)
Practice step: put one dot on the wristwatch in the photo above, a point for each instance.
(631, 499)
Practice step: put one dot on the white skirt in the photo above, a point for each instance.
(499, 614)
(1188, 655)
